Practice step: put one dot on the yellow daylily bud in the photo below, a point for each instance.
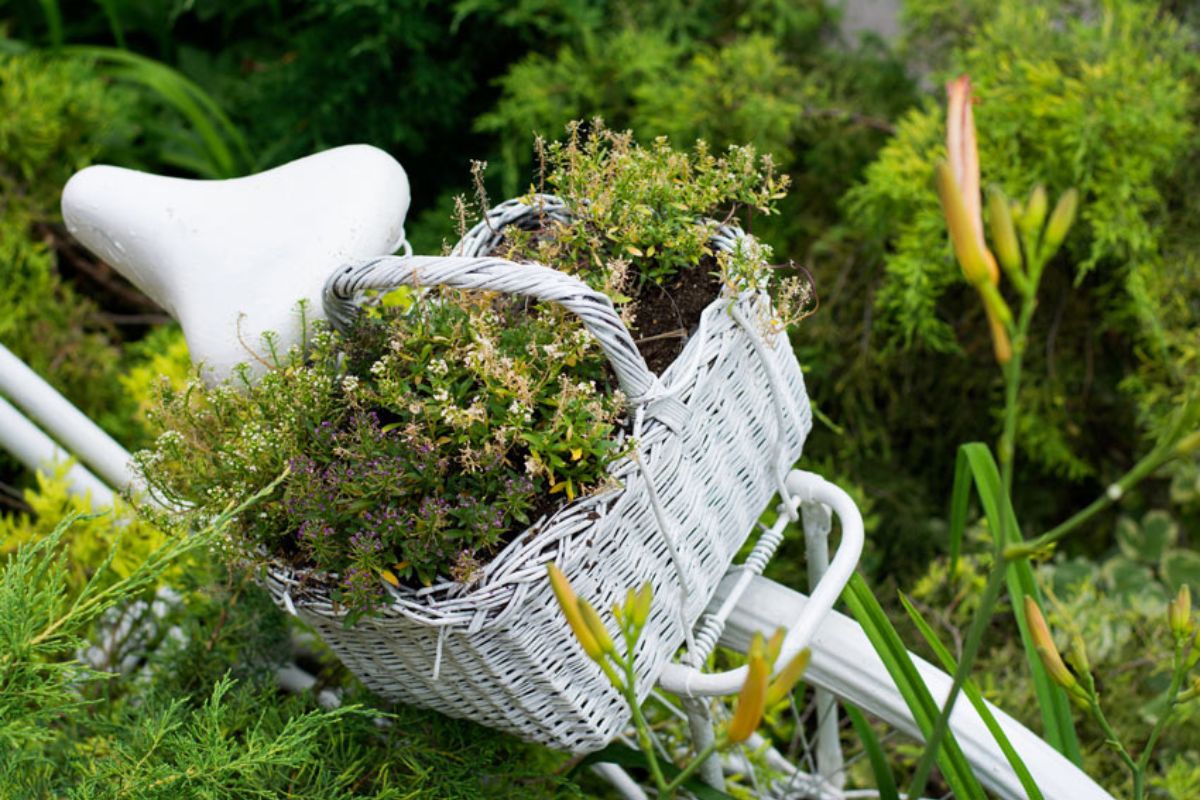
(570, 608)
(1004, 237)
(1060, 222)
(774, 645)
(596, 626)
(751, 701)
(977, 263)
(1051, 660)
(1035, 215)
(1078, 655)
(641, 608)
(782, 686)
(1179, 613)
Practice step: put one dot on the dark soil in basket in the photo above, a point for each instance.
(667, 315)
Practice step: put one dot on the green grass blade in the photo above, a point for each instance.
(977, 702)
(888, 645)
(960, 499)
(113, 15)
(224, 145)
(885, 781)
(54, 21)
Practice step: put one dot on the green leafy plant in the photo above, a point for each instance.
(445, 421)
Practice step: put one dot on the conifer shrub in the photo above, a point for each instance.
(445, 421)
(55, 117)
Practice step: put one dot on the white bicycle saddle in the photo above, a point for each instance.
(231, 259)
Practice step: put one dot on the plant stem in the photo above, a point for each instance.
(644, 734)
(1151, 462)
(1111, 738)
(687, 771)
(1143, 762)
(1012, 390)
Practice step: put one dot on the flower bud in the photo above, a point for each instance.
(1035, 215)
(774, 645)
(977, 263)
(570, 608)
(751, 701)
(1004, 236)
(641, 606)
(1179, 613)
(781, 687)
(1060, 222)
(596, 627)
(1044, 643)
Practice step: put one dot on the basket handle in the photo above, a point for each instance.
(345, 287)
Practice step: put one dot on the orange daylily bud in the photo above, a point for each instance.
(1051, 660)
(751, 701)
(978, 264)
(961, 148)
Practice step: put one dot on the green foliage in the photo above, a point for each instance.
(648, 213)
(181, 725)
(54, 118)
(1101, 101)
(159, 359)
(88, 543)
(1116, 605)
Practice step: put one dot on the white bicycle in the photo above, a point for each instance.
(187, 244)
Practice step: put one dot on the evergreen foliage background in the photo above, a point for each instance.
(1098, 94)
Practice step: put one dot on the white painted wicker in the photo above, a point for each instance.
(714, 438)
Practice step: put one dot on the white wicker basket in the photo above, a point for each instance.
(716, 433)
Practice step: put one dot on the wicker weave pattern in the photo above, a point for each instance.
(499, 651)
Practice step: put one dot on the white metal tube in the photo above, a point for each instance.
(809, 488)
(845, 663)
(37, 451)
(66, 423)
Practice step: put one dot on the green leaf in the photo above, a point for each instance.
(898, 662)
(976, 699)
(1181, 567)
(225, 150)
(1148, 541)
(885, 781)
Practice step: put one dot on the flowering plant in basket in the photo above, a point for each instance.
(442, 422)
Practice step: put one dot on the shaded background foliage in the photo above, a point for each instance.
(1097, 94)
